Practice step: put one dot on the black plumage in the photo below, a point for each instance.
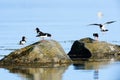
(42, 34)
(23, 41)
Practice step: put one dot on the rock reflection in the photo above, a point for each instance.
(93, 65)
(42, 73)
(78, 66)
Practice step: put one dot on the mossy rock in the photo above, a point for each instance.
(47, 51)
(90, 48)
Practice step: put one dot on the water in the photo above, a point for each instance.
(85, 70)
(82, 71)
(67, 21)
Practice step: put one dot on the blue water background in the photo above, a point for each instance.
(66, 20)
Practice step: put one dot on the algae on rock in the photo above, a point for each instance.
(90, 48)
(47, 51)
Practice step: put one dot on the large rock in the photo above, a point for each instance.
(90, 48)
(47, 51)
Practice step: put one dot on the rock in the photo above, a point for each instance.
(48, 51)
(90, 48)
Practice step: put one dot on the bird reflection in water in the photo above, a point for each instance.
(83, 66)
(96, 74)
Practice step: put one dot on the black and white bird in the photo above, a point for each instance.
(23, 41)
(37, 30)
(42, 34)
(95, 35)
(102, 26)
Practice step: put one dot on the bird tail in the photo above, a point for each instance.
(104, 30)
(49, 35)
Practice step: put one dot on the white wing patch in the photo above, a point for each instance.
(103, 27)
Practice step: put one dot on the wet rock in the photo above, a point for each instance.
(90, 48)
(47, 51)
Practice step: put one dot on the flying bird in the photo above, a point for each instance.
(102, 26)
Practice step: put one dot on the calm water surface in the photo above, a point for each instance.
(101, 70)
(82, 71)
(67, 21)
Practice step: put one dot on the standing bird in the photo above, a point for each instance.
(96, 36)
(102, 26)
(23, 41)
(42, 34)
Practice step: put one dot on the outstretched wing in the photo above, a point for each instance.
(109, 22)
(95, 24)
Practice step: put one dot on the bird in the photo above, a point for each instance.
(96, 36)
(23, 41)
(42, 34)
(37, 30)
(102, 26)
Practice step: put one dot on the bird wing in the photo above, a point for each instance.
(95, 24)
(109, 22)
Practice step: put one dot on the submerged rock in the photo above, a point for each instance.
(90, 48)
(47, 51)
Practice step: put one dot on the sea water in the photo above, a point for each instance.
(102, 70)
(67, 21)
